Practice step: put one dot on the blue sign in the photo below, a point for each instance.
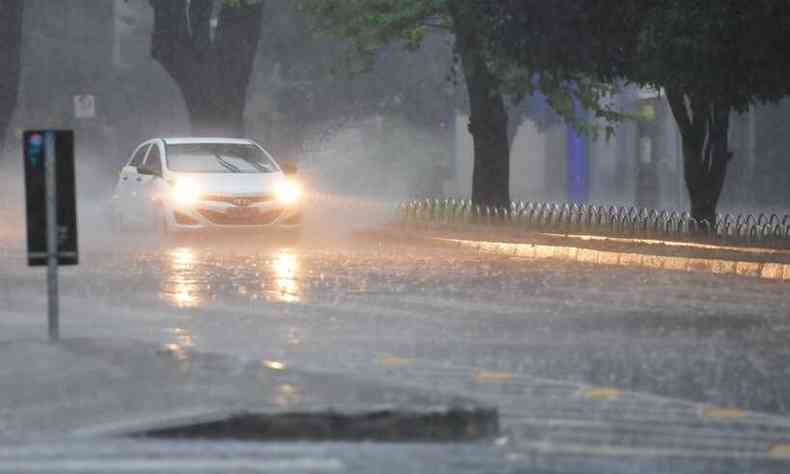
(35, 144)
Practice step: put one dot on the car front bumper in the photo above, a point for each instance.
(207, 216)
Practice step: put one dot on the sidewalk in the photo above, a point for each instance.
(773, 264)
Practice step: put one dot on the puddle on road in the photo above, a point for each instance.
(192, 277)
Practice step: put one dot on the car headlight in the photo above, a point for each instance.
(288, 192)
(185, 192)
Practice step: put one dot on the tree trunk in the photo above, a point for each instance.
(213, 113)
(10, 45)
(210, 60)
(704, 126)
(488, 117)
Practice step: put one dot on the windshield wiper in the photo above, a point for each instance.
(259, 166)
(228, 165)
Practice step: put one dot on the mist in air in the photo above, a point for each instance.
(363, 140)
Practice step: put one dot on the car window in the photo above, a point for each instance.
(219, 158)
(137, 159)
(154, 160)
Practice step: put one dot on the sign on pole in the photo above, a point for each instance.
(84, 106)
(51, 208)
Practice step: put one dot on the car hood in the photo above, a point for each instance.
(234, 183)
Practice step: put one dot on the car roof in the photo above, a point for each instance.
(185, 140)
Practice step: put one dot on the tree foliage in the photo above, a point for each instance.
(711, 58)
(493, 77)
(371, 24)
(732, 52)
(553, 71)
(306, 90)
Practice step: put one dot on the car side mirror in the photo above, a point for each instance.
(289, 167)
(144, 170)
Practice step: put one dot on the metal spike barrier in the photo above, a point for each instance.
(767, 229)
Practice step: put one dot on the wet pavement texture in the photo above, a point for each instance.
(583, 360)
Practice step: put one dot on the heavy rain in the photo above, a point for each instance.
(397, 236)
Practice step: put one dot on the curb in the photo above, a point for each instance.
(766, 270)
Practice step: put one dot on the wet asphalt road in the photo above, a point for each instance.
(432, 316)
(707, 338)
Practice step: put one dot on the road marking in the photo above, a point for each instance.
(486, 376)
(396, 361)
(602, 393)
(716, 412)
(781, 450)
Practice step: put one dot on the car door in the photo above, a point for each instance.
(152, 185)
(127, 188)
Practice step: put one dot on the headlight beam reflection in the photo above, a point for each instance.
(286, 272)
(179, 287)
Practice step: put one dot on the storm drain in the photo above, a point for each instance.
(451, 425)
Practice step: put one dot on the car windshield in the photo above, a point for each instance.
(219, 158)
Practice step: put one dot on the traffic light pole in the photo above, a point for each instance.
(52, 236)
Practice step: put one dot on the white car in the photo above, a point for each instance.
(191, 184)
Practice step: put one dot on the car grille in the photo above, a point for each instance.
(260, 218)
(238, 200)
(183, 219)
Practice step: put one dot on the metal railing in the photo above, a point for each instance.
(772, 229)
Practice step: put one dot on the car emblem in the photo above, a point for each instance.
(241, 202)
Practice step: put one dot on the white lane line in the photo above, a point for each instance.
(176, 465)
(644, 452)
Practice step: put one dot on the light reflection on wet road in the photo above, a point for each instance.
(192, 276)
(373, 307)
(663, 332)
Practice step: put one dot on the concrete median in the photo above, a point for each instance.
(766, 270)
